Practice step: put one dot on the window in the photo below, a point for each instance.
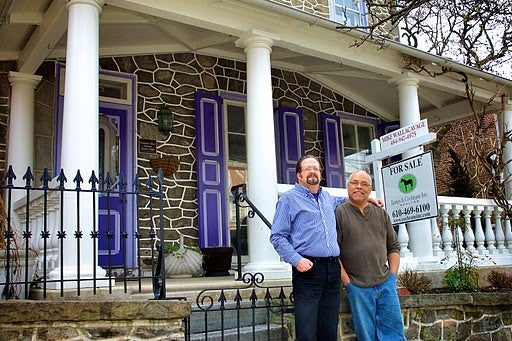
(237, 165)
(347, 12)
(357, 137)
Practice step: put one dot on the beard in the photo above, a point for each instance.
(312, 180)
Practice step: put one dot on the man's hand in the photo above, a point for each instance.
(304, 265)
(376, 201)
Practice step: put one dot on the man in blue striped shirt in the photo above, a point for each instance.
(304, 235)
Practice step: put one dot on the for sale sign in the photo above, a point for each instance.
(410, 189)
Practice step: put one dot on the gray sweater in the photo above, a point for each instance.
(365, 243)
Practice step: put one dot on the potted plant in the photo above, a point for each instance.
(182, 260)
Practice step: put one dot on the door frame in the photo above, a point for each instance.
(128, 106)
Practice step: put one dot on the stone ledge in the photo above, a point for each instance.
(450, 299)
(27, 311)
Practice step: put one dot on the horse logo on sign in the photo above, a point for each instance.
(407, 183)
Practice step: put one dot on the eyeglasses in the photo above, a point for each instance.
(310, 169)
(357, 183)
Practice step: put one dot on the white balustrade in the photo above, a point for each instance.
(480, 225)
(36, 224)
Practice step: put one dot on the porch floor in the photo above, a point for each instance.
(177, 288)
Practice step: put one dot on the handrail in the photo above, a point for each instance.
(241, 197)
(239, 193)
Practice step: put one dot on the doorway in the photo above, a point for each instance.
(117, 155)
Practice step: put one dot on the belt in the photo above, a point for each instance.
(322, 259)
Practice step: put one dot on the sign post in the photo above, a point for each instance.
(394, 143)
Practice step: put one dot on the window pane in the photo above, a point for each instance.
(364, 137)
(354, 5)
(349, 136)
(237, 148)
(236, 119)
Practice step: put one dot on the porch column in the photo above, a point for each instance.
(20, 151)
(261, 157)
(80, 139)
(420, 236)
(507, 153)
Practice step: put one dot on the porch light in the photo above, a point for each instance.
(165, 119)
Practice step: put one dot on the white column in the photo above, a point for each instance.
(20, 151)
(80, 136)
(507, 152)
(420, 237)
(261, 157)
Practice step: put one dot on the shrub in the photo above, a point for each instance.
(500, 280)
(415, 282)
(461, 277)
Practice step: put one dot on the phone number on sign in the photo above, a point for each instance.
(410, 210)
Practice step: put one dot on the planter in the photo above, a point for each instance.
(168, 165)
(217, 261)
(183, 262)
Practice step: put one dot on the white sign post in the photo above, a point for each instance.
(394, 143)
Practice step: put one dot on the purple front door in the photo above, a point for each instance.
(112, 205)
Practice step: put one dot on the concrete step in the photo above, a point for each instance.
(230, 317)
(260, 333)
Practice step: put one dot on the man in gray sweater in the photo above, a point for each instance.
(370, 258)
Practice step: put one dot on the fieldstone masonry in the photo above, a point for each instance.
(461, 316)
(173, 80)
(84, 320)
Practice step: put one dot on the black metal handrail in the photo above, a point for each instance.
(239, 193)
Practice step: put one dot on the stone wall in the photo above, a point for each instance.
(463, 316)
(83, 320)
(427, 317)
(317, 7)
(173, 80)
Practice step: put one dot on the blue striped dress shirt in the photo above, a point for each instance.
(304, 226)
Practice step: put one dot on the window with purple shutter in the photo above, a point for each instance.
(290, 143)
(211, 172)
(333, 162)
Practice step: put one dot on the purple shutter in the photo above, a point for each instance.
(211, 171)
(291, 143)
(333, 162)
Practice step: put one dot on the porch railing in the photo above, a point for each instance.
(35, 234)
(479, 226)
(34, 242)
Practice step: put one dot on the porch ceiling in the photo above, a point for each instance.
(33, 31)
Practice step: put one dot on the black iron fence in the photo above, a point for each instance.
(253, 312)
(34, 234)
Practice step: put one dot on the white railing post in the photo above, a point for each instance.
(498, 230)
(469, 236)
(403, 239)
(508, 234)
(489, 233)
(436, 237)
(479, 232)
(446, 234)
(457, 230)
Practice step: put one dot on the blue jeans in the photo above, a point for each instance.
(317, 301)
(376, 313)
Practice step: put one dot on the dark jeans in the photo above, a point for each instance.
(317, 301)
